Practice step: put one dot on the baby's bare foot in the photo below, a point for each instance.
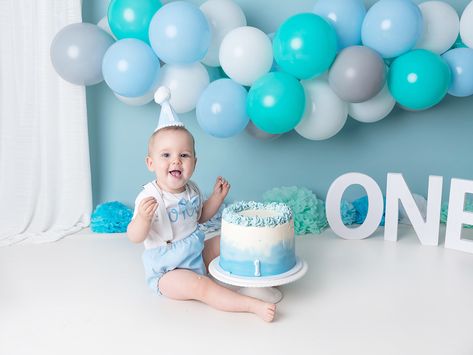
(266, 311)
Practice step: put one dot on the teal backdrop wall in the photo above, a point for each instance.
(437, 141)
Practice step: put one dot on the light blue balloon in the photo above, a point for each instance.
(221, 109)
(392, 27)
(130, 68)
(346, 16)
(460, 61)
(179, 33)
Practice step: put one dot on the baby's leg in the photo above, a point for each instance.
(181, 284)
(211, 250)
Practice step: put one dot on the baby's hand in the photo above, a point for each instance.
(147, 208)
(221, 188)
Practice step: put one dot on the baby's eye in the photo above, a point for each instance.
(185, 155)
(165, 155)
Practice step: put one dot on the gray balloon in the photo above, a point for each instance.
(357, 74)
(77, 52)
(255, 132)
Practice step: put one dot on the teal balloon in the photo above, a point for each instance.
(305, 45)
(419, 79)
(276, 102)
(131, 18)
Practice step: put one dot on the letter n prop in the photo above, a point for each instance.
(397, 190)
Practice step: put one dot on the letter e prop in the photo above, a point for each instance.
(375, 206)
(397, 190)
(457, 216)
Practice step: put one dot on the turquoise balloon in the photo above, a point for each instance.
(131, 18)
(419, 79)
(276, 102)
(305, 45)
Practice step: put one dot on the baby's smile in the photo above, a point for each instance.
(176, 173)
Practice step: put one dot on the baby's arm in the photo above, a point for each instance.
(214, 202)
(139, 227)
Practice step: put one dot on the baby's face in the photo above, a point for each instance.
(172, 159)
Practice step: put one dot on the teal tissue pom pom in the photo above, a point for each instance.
(348, 212)
(444, 214)
(309, 212)
(111, 217)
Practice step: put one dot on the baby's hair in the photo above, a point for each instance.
(166, 129)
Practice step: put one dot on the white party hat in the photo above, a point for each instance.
(167, 117)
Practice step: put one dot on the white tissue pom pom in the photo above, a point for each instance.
(162, 94)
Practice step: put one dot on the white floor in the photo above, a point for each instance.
(86, 295)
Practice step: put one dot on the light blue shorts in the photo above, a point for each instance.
(183, 254)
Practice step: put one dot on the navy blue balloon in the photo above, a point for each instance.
(130, 68)
(221, 109)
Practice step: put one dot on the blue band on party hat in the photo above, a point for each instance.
(167, 117)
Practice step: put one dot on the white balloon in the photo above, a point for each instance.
(441, 26)
(373, 109)
(223, 16)
(466, 25)
(103, 24)
(246, 54)
(186, 82)
(325, 113)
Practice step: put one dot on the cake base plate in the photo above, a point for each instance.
(259, 287)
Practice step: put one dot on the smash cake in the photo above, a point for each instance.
(257, 239)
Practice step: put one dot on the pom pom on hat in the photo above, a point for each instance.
(167, 117)
(162, 94)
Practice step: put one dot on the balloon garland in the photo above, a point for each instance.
(341, 59)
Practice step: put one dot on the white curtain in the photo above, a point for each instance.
(45, 185)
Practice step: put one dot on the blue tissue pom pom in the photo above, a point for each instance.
(361, 206)
(309, 212)
(348, 212)
(111, 217)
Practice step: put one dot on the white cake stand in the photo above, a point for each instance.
(259, 287)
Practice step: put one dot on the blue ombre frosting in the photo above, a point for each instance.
(257, 239)
(281, 259)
